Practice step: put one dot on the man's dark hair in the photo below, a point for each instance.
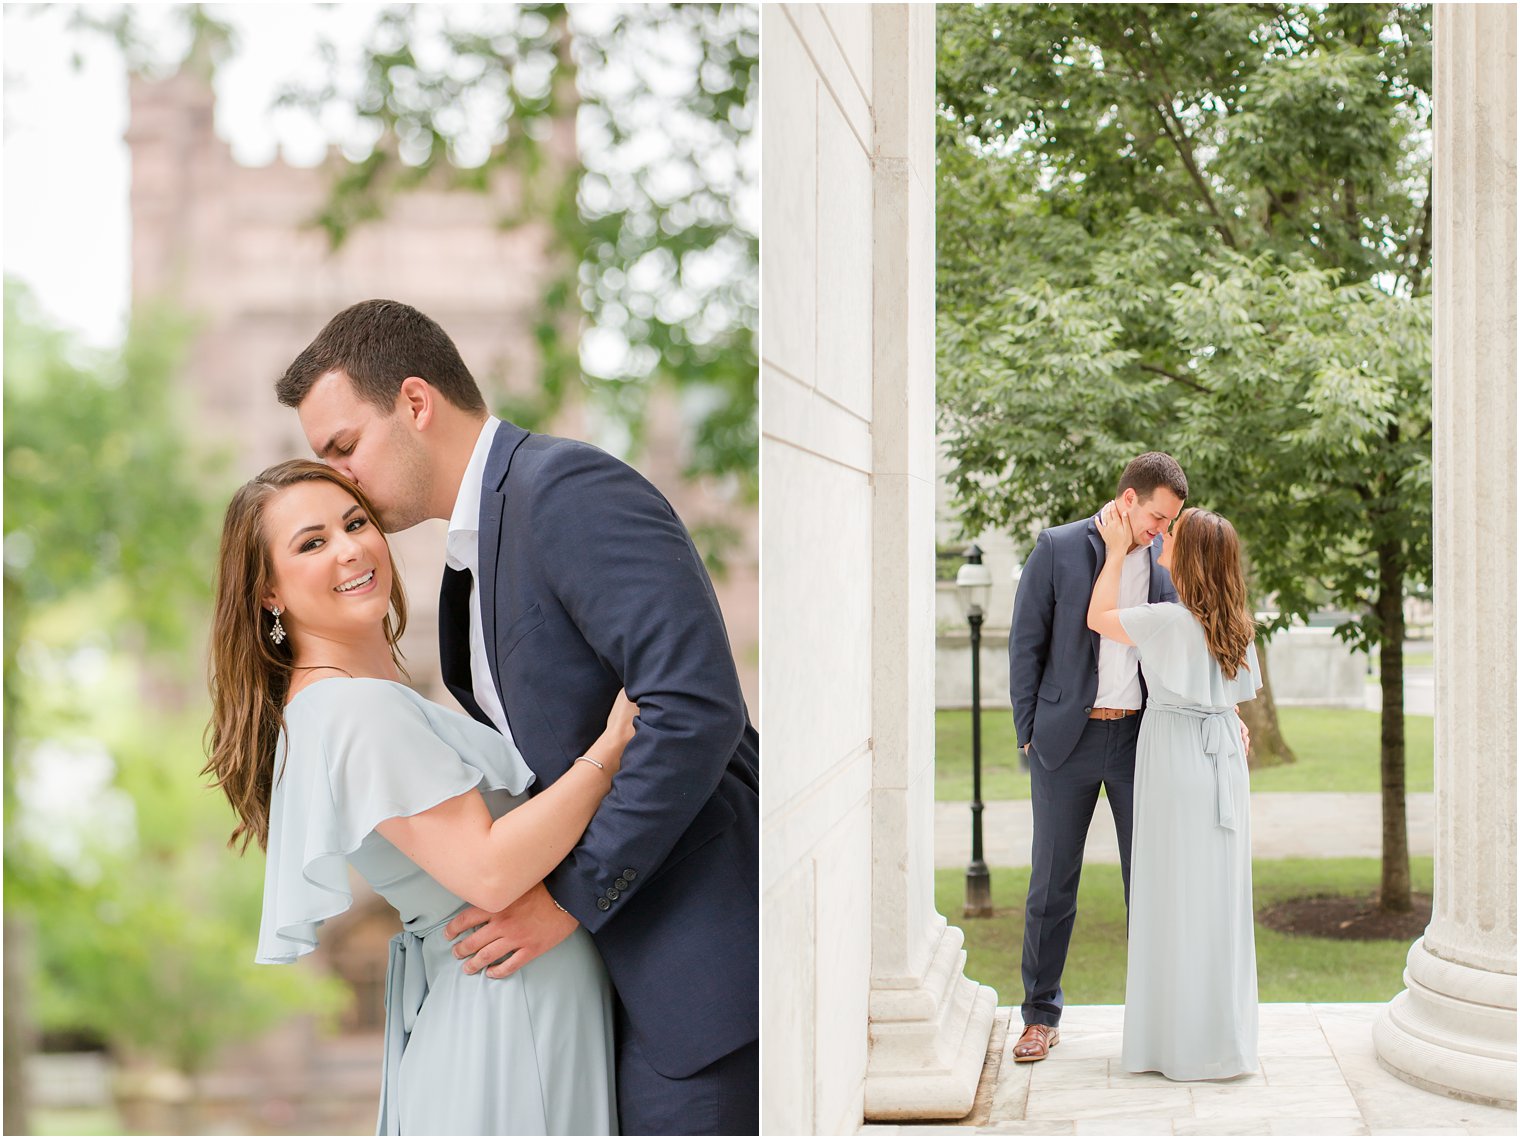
(378, 344)
(1151, 470)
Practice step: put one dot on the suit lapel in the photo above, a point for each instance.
(1098, 556)
(493, 504)
(1154, 592)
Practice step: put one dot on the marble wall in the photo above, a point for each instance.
(816, 463)
(864, 1008)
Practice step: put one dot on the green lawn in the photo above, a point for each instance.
(1288, 968)
(1337, 751)
(75, 1121)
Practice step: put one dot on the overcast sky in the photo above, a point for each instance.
(65, 175)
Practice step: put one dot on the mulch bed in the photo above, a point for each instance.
(1343, 918)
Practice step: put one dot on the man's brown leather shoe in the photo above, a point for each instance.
(1036, 1043)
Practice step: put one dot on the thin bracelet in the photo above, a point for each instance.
(587, 759)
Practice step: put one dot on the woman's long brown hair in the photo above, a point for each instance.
(250, 674)
(1211, 583)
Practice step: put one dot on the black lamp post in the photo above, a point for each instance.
(973, 583)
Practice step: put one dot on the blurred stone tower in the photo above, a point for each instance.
(235, 247)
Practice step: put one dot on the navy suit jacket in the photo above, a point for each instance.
(590, 583)
(1052, 654)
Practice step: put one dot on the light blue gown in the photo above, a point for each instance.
(464, 1055)
(1190, 997)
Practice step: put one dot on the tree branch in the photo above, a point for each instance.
(1278, 206)
(1194, 173)
(1176, 379)
(1421, 260)
(1353, 215)
(1162, 104)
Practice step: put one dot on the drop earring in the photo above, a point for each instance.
(277, 632)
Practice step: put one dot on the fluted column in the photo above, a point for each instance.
(1453, 1027)
(929, 1024)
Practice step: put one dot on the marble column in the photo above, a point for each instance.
(929, 1024)
(815, 450)
(1452, 1029)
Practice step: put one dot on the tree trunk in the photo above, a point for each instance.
(1393, 895)
(1268, 748)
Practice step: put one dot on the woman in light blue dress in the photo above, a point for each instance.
(330, 760)
(1190, 1008)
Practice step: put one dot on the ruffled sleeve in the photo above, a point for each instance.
(355, 753)
(1149, 625)
(1175, 656)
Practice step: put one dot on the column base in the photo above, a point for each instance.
(928, 1042)
(1451, 1031)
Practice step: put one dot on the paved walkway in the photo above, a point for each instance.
(1319, 1076)
(1284, 824)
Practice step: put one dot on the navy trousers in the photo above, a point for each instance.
(1063, 802)
(720, 1099)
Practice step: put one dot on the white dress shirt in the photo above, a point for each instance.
(1119, 665)
(463, 553)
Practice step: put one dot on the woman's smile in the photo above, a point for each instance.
(361, 584)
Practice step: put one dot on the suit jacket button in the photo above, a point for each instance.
(1088, 709)
(630, 874)
(612, 894)
(621, 883)
(603, 904)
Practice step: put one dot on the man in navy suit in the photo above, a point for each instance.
(1077, 703)
(569, 576)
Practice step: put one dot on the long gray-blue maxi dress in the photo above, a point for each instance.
(1190, 996)
(464, 1055)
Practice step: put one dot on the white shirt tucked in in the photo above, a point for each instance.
(1119, 665)
(463, 553)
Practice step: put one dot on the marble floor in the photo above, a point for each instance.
(1318, 1077)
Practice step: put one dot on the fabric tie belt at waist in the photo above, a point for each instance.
(406, 987)
(1219, 739)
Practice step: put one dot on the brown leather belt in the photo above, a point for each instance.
(1112, 713)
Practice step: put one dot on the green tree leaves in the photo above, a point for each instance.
(1203, 229)
(630, 132)
(1200, 229)
(98, 486)
(144, 927)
